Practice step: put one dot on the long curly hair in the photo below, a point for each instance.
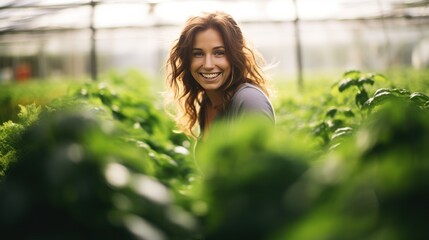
(246, 66)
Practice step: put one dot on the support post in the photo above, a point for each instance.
(93, 50)
(298, 48)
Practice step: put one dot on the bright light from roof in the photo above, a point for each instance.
(179, 11)
(116, 13)
(280, 10)
(113, 15)
(76, 17)
(317, 9)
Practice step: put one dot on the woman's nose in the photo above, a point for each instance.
(208, 62)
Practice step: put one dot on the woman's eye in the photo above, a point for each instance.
(219, 53)
(197, 54)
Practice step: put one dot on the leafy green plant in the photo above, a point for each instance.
(373, 186)
(10, 134)
(336, 123)
(134, 110)
(103, 161)
(383, 95)
(247, 169)
(142, 131)
(340, 121)
(357, 80)
(76, 171)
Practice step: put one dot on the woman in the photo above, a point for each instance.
(214, 75)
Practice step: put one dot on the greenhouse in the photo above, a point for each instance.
(217, 119)
(76, 38)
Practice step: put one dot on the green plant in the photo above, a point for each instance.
(76, 171)
(357, 80)
(383, 95)
(373, 186)
(10, 134)
(247, 169)
(104, 161)
(342, 120)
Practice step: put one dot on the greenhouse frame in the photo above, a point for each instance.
(45, 39)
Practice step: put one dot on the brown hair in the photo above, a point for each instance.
(245, 66)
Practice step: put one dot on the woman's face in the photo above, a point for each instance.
(209, 65)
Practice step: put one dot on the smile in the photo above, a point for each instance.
(210, 75)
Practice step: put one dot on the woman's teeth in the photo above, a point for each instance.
(210, 75)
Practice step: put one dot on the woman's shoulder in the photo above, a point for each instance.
(249, 91)
(250, 98)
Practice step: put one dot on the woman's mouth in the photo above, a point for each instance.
(210, 76)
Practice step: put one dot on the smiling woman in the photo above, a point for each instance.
(209, 65)
(214, 75)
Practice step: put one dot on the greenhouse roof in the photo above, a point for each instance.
(29, 15)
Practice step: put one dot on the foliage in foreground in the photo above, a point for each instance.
(374, 185)
(75, 179)
(10, 134)
(103, 162)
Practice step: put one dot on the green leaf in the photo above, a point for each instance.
(401, 92)
(341, 132)
(379, 98)
(346, 83)
(29, 113)
(321, 130)
(348, 112)
(365, 80)
(331, 112)
(419, 98)
(426, 105)
(361, 98)
(382, 90)
(335, 124)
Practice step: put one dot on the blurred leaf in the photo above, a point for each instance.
(365, 80)
(348, 112)
(29, 113)
(331, 112)
(340, 132)
(10, 134)
(379, 99)
(401, 92)
(361, 98)
(85, 180)
(419, 98)
(246, 171)
(347, 83)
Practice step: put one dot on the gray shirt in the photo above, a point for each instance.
(250, 99)
(247, 99)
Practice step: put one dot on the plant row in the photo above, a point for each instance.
(102, 161)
